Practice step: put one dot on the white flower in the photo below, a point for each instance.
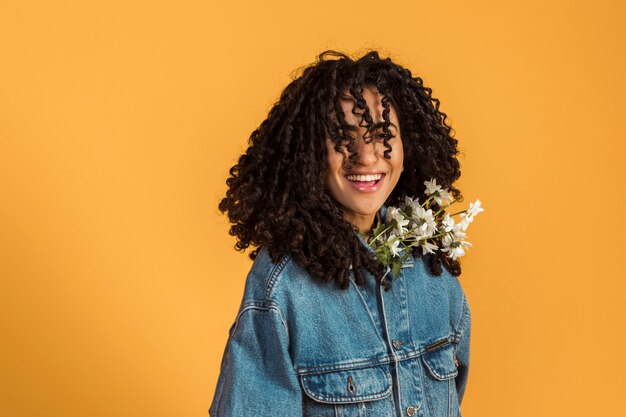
(431, 186)
(424, 222)
(475, 208)
(457, 250)
(454, 244)
(468, 216)
(428, 247)
(411, 226)
(394, 215)
(395, 246)
(411, 205)
(464, 223)
(447, 223)
(440, 194)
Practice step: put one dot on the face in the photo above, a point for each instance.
(362, 189)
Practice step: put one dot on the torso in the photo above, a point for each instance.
(364, 350)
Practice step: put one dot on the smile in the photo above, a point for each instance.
(365, 183)
(374, 177)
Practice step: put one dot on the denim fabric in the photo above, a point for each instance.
(299, 347)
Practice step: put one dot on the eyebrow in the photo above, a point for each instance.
(378, 125)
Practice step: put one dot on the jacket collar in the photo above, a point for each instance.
(380, 215)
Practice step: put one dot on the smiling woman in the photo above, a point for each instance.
(361, 187)
(320, 331)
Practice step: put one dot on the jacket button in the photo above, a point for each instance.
(397, 343)
(410, 410)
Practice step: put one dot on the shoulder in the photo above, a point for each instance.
(277, 282)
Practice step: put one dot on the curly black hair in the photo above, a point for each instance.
(277, 197)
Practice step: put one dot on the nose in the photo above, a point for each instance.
(367, 153)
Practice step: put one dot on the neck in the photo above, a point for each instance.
(365, 224)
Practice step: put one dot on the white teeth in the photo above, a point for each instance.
(374, 177)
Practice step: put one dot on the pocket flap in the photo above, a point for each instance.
(440, 361)
(348, 386)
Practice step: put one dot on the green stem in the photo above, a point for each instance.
(378, 235)
(431, 237)
(445, 207)
(434, 236)
(427, 200)
(402, 235)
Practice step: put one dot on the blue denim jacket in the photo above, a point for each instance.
(299, 347)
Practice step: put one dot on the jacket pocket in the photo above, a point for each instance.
(440, 361)
(439, 383)
(352, 392)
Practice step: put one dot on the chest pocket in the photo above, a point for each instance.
(439, 381)
(440, 361)
(349, 393)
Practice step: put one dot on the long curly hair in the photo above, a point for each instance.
(277, 197)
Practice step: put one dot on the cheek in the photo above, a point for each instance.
(334, 161)
(397, 160)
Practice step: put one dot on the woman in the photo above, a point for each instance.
(323, 328)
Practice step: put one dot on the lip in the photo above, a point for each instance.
(364, 173)
(366, 188)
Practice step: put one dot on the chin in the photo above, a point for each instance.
(367, 210)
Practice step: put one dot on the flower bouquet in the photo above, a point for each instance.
(413, 224)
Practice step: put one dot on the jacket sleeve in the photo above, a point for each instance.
(257, 376)
(463, 351)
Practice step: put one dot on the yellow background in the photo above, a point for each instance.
(119, 121)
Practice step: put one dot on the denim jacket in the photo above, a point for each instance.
(300, 347)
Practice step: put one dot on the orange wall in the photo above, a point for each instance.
(119, 121)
